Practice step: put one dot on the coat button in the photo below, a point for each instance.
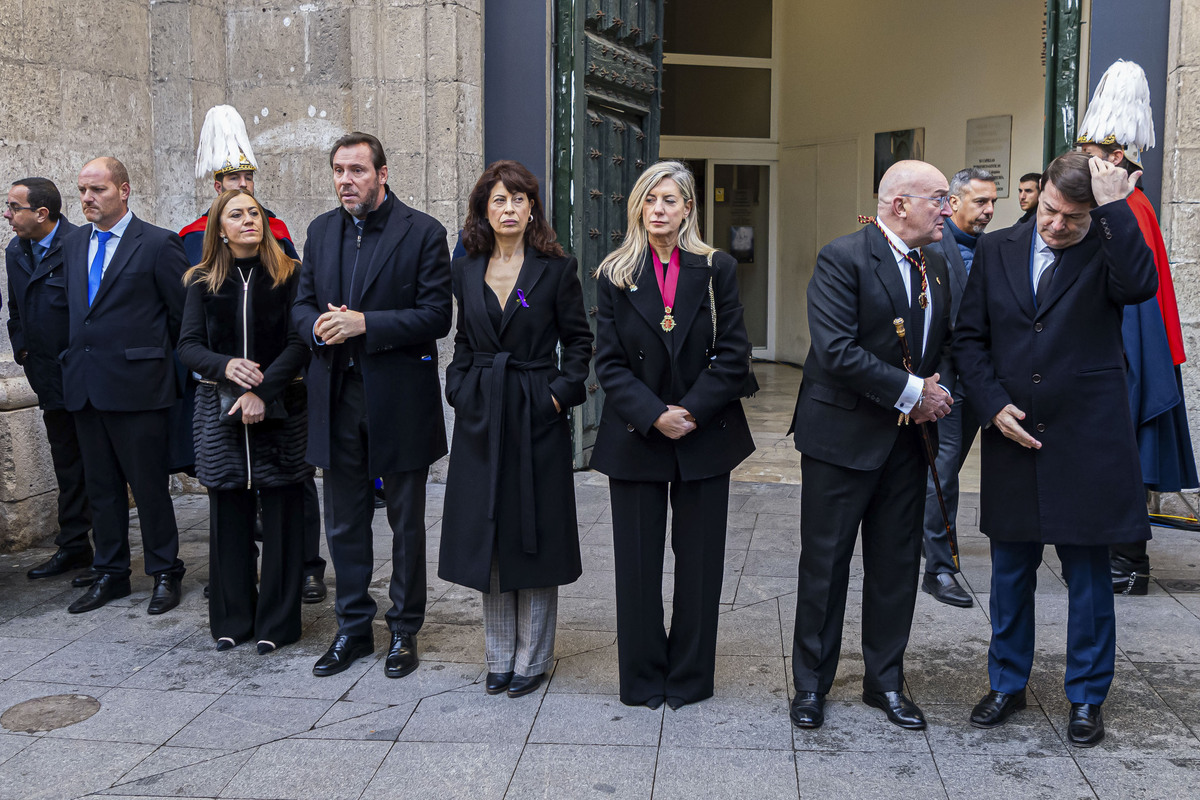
(1041, 428)
(629, 427)
(1037, 378)
(722, 423)
(87, 348)
(641, 356)
(1037, 326)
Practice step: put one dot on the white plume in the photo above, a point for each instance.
(223, 141)
(1120, 108)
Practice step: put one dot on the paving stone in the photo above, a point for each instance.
(143, 716)
(383, 725)
(445, 770)
(754, 589)
(238, 721)
(1027, 733)
(688, 773)
(586, 614)
(752, 678)
(135, 626)
(18, 652)
(12, 743)
(751, 631)
(987, 777)
(287, 672)
(431, 678)
(594, 671)
(95, 663)
(196, 666)
(1157, 629)
(553, 771)
(595, 719)
(343, 710)
(299, 769)
(472, 716)
(76, 768)
(1140, 779)
(1176, 685)
(182, 772)
(885, 776)
(722, 722)
(855, 727)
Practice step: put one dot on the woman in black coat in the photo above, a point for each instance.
(673, 359)
(509, 527)
(249, 425)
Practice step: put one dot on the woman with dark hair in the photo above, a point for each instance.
(509, 527)
(250, 422)
(674, 359)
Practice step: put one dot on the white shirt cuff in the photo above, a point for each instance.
(910, 395)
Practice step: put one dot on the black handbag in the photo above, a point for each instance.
(750, 385)
(228, 394)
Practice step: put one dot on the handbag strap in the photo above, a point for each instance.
(712, 304)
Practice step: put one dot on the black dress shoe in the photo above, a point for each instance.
(899, 709)
(166, 593)
(945, 589)
(62, 561)
(996, 707)
(808, 710)
(314, 590)
(522, 685)
(344, 651)
(402, 655)
(107, 587)
(85, 579)
(1085, 727)
(380, 498)
(654, 703)
(497, 682)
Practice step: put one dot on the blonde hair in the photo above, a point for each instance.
(621, 266)
(216, 258)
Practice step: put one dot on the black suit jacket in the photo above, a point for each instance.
(1061, 362)
(643, 369)
(853, 375)
(120, 353)
(38, 322)
(406, 299)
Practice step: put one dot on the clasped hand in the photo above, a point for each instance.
(339, 324)
(934, 404)
(675, 423)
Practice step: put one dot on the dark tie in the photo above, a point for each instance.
(38, 252)
(1043, 284)
(916, 314)
(97, 270)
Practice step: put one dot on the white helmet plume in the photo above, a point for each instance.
(1120, 111)
(224, 145)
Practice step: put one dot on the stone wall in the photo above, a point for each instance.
(134, 80)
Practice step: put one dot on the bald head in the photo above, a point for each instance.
(104, 191)
(905, 204)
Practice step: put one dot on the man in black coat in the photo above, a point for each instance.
(373, 300)
(125, 296)
(858, 466)
(37, 329)
(1038, 345)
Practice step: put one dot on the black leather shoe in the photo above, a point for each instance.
(808, 710)
(522, 685)
(1085, 727)
(107, 587)
(344, 651)
(654, 703)
(166, 593)
(85, 579)
(314, 590)
(899, 709)
(945, 589)
(402, 655)
(497, 682)
(62, 561)
(996, 707)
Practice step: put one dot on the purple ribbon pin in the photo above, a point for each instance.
(521, 297)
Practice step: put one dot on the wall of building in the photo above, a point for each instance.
(134, 79)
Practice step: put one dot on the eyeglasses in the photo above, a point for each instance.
(14, 208)
(941, 200)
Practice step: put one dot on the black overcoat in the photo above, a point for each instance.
(1063, 364)
(643, 369)
(407, 305)
(509, 490)
(38, 321)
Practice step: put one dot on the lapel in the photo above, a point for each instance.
(329, 277)
(127, 245)
(1015, 253)
(475, 302)
(1070, 266)
(532, 268)
(394, 229)
(52, 259)
(937, 272)
(648, 299)
(887, 271)
(22, 256)
(954, 263)
(75, 265)
(689, 293)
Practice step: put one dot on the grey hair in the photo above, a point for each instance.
(962, 179)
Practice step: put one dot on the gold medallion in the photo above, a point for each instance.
(668, 321)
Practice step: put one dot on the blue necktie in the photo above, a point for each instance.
(97, 270)
(38, 252)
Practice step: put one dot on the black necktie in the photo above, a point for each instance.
(1043, 284)
(916, 314)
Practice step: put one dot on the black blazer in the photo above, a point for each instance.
(1063, 364)
(854, 373)
(38, 322)
(643, 369)
(406, 300)
(119, 357)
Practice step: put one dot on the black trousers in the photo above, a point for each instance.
(128, 447)
(314, 565)
(349, 509)
(653, 664)
(237, 608)
(888, 503)
(74, 515)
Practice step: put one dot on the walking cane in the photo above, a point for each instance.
(930, 454)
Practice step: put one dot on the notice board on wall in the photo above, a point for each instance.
(989, 146)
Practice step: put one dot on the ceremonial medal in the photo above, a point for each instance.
(668, 280)
(668, 321)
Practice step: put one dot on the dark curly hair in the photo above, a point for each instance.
(478, 237)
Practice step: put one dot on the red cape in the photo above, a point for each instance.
(1148, 222)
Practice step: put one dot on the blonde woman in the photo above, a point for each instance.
(672, 429)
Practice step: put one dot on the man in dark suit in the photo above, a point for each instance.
(858, 466)
(972, 200)
(37, 329)
(125, 296)
(373, 300)
(1039, 347)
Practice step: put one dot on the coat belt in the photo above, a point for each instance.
(500, 364)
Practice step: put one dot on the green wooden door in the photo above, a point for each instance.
(608, 77)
